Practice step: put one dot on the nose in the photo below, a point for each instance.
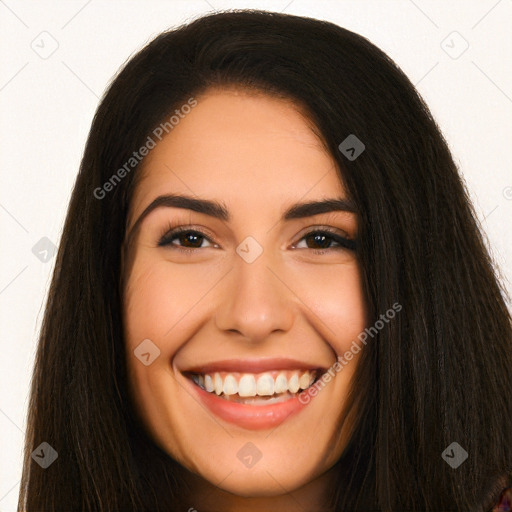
(256, 301)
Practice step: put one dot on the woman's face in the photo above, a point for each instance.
(250, 302)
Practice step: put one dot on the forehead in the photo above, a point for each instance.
(248, 150)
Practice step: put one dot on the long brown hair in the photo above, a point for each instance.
(439, 373)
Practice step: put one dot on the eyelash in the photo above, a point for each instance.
(169, 236)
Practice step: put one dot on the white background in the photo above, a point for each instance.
(47, 105)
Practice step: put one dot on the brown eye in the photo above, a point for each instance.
(318, 241)
(187, 239)
(190, 239)
(325, 240)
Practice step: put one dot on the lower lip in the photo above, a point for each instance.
(253, 417)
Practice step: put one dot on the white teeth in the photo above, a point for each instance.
(265, 385)
(304, 381)
(293, 383)
(208, 383)
(230, 385)
(250, 385)
(281, 384)
(217, 382)
(247, 386)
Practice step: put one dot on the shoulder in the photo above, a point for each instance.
(504, 503)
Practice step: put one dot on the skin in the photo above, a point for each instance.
(257, 155)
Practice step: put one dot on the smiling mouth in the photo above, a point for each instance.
(256, 388)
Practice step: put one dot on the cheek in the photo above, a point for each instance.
(158, 298)
(334, 293)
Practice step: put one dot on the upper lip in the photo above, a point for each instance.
(253, 366)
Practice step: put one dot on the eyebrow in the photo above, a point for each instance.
(218, 210)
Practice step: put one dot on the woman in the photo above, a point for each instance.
(271, 291)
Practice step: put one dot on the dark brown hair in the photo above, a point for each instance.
(439, 373)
